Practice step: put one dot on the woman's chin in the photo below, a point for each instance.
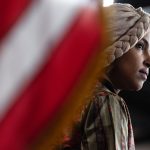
(138, 86)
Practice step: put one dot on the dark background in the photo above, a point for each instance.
(139, 102)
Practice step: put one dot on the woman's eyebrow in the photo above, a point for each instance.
(146, 42)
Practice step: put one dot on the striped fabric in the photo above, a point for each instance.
(105, 124)
(48, 52)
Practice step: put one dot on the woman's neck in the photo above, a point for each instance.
(114, 87)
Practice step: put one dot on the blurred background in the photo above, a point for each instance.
(138, 102)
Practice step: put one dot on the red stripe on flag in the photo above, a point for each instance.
(43, 98)
(10, 11)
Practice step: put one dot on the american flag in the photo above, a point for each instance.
(48, 52)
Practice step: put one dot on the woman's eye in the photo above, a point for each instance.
(140, 46)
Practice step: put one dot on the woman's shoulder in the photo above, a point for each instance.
(104, 94)
(101, 98)
(108, 99)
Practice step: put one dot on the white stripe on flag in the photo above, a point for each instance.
(31, 39)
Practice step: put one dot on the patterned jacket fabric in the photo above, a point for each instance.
(105, 124)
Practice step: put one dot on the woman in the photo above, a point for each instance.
(105, 123)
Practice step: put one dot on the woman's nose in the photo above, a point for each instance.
(147, 61)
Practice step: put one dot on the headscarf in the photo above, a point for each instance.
(127, 26)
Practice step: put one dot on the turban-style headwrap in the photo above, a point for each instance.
(127, 26)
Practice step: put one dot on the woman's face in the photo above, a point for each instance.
(131, 69)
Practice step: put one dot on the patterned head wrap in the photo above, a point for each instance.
(127, 26)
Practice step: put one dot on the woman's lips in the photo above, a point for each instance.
(143, 74)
